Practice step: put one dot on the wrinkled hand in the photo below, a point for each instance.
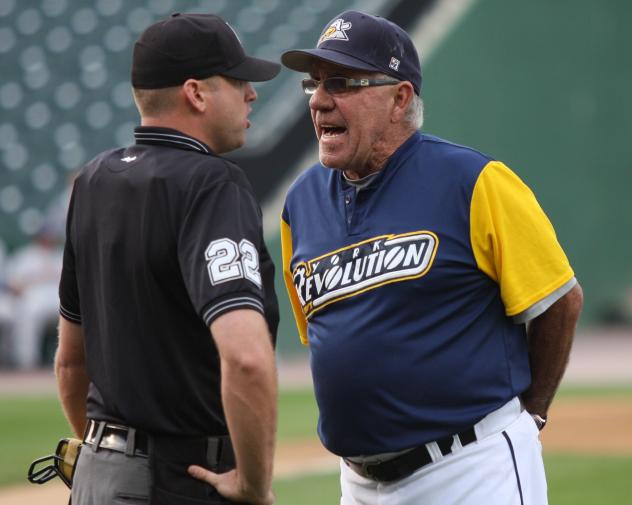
(230, 486)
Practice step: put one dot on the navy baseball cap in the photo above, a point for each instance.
(361, 41)
(193, 46)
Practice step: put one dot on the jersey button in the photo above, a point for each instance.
(347, 200)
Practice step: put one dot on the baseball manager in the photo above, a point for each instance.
(164, 242)
(437, 303)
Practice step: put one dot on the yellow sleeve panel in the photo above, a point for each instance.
(513, 241)
(286, 254)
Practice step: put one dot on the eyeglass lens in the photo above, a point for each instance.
(332, 85)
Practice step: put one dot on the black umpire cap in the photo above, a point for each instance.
(193, 46)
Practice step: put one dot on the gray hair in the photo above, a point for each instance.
(414, 116)
(415, 113)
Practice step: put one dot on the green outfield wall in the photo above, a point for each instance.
(545, 87)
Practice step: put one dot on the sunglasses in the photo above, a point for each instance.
(336, 85)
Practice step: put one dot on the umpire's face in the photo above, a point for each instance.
(227, 114)
(352, 125)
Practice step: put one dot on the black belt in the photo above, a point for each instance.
(406, 464)
(115, 437)
(130, 441)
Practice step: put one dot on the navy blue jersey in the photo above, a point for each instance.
(405, 289)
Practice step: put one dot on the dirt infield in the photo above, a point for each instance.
(577, 425)
(598, 357)
(590, 425)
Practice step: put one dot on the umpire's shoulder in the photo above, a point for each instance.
(98, 161)
(214, 170)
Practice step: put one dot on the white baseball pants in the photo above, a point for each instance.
(503, 467)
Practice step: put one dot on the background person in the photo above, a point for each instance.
(164, 241)
(414, 267)
(32, 274)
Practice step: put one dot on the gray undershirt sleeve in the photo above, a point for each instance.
(541, 306)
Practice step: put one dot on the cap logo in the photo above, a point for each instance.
(233, 30)
(394, 64)
(336, 31)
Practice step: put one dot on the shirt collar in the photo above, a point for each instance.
(391, 165)
(157, 135)
(359, 184)
(401, 152)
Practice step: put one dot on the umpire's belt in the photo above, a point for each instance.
(115, 437)
(407, 463)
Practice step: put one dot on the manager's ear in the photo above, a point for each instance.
(404, 93)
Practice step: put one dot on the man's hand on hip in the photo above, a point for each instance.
(231, 486)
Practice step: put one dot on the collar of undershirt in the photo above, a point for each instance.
(154, 135)
(361, 183)
(391, 164)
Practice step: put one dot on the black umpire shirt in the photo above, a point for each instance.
(162, 238)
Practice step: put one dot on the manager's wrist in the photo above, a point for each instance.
(540, 421)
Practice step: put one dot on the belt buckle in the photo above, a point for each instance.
(368, 469)
(115, 440)
(102, 435)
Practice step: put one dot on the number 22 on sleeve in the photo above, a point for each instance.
(227, 261)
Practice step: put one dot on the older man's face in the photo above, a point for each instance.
(351, 126)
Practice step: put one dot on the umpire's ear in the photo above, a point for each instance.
(196, 93)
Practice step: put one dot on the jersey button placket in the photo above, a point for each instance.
(349, 200)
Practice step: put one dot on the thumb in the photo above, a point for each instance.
(203, 474)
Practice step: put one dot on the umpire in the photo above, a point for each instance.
(164, 242)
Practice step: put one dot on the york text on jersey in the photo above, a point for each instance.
(363, 266)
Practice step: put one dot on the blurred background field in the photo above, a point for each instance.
(581, 470)
(543, 86)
